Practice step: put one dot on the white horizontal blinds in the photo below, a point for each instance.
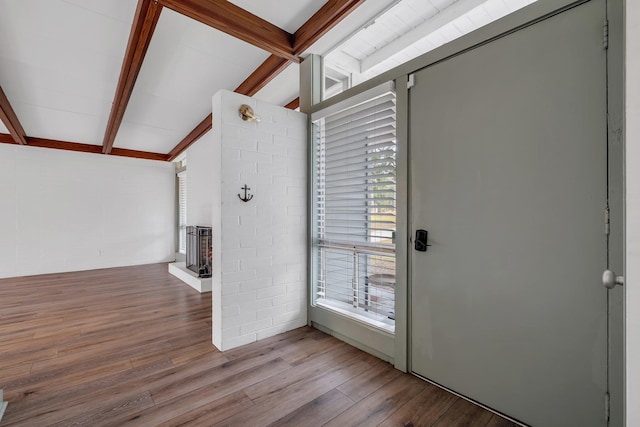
(355, 195)
(182, 212)
(356, 167)
(364, 281)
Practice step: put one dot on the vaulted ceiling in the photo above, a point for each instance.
(135, 77)
(409, 28)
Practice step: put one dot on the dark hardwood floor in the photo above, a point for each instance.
(132, 346)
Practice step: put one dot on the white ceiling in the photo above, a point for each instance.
(60, 60)
(411, 28)
(3, 128)
(398, 21)
(352, 23)
(186, 64)
(59, 64)
(283, 89)
(286, 14)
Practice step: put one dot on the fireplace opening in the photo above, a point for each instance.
(199, 251)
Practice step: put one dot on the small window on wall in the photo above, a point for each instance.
(355, 207)
(182, 211)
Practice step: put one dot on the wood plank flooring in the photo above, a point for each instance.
(132, 346)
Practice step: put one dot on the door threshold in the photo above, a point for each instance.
(506, 417)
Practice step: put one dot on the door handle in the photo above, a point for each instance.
(610, 280)
(421, 244)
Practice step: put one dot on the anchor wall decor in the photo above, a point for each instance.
(245, 198)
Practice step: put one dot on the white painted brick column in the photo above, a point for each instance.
(259, 285)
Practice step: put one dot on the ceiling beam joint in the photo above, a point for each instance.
(142, 28)
(10, 120)
(293, 104)
(237, 22)
(327, 17)
(84, 148)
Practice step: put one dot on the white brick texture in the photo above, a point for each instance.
(260, 287)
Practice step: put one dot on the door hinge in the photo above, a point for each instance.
(607, 406)
(607, 220)
(411, 81)
(605, 34)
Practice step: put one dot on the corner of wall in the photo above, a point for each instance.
(215, 183)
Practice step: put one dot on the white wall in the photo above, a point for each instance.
(632, 169)
(67, 211)
(199, 179)
(259, 282)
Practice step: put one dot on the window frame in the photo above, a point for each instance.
(318, 246)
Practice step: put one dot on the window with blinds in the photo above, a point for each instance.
(182, 212)
(355, 206)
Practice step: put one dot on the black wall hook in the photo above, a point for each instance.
(245, 198)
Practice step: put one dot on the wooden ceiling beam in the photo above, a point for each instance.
(252, 84)
(262, 75)
(137, 154)
(5, 138)
(84, 148)
(202, 128)
(10, 120)
(64, 145)
(220, 14)
(327, 17)
(237, 22)
(322, 21)
(293, 104)
(144, 23)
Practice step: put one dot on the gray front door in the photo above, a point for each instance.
(508, 174)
